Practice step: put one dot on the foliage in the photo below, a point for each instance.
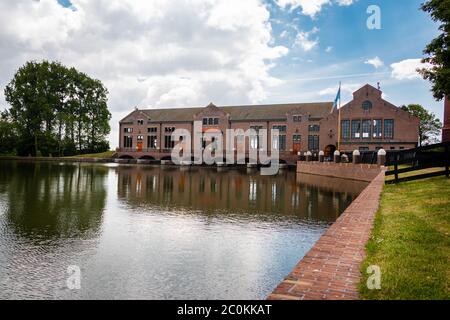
(8, 136)
(430, 126)
(57, 110)
(438, 50)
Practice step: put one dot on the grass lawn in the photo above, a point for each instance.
(411, 242)
(107, 154)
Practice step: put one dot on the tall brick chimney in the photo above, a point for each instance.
(446, 129)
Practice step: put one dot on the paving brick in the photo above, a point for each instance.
(331, 269)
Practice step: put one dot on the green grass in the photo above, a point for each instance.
(411, 242)
(107, 154)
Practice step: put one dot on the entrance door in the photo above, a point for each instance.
(139, 146)
(296, 143)
(297, 147)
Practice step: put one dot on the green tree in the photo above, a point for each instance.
(430, 126)
(8, 135)
(57, 110)
(438, 50)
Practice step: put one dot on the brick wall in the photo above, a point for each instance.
(361, 172)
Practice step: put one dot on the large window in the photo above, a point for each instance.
(255, 139)
(356, 129)
(128, 142)
(313, 143)
(377, 129)
(280, 128)
(168, 142)
(389, 129)
(314, 128)
(128, 130)
(152, 142)
(152, 129)
(366, 129)
(280, 143)
(345, 129)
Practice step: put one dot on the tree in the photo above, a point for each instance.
(8, 135)
(430, 126)
(438, 50)
(57, 110)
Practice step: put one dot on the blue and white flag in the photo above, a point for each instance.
(338, 98)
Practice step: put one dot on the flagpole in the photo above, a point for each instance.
(339, 122)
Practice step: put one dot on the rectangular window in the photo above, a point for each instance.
(210, 121)
(296, 138)
(366, 129)
(128, 130)
(140, 122)
(297, 118)
(140, 138)
(168, 142)
(280, 128)
(389, 129)
(255, 141)
(313, 143)
(152, 142)
(356, 129)
(377, 129)
(345, 129)
(128, 142)
(282, 143)
(314, 128)
(152, 130)
(169, 129)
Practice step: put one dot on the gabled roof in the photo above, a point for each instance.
(244, 113)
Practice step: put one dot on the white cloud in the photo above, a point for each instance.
(303, 40)
(407, 69)
(148, 53)
(375, 62)
(346, 90)
(310, 7)
(329, 49)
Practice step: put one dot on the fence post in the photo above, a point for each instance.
(396, 167)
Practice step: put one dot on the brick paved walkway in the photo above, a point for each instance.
(331, 269)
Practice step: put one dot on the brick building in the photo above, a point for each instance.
(367, 123)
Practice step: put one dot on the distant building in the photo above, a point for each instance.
(446, 129)
(367, 123)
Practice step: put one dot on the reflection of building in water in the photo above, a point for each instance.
(54, 200)
(232, 191)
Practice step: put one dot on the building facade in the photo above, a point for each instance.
(367, 123)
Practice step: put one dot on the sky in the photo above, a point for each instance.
(180, 53)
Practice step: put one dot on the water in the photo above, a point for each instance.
(157, 233)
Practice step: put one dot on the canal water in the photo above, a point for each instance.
(140, 232)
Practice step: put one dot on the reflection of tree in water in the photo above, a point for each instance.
(230, 192)
(53, 200)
